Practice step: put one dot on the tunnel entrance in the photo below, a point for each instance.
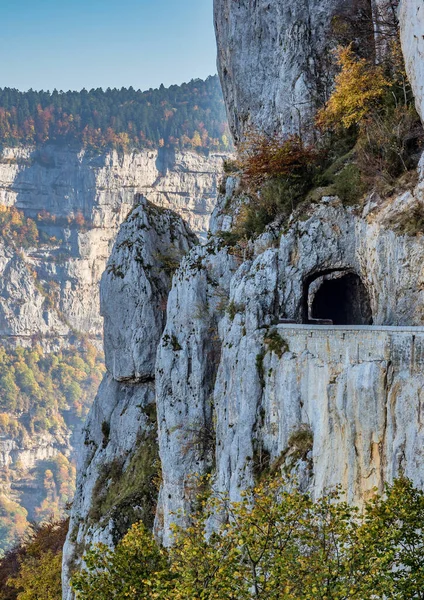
(338, 298)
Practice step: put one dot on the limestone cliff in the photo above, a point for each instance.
(119, 468)
(411, 14)
(101, 190)
(49, 292)
(237, 383)
(274, 59)
(355, 388)
(301, 348)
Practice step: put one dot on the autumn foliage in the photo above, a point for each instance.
(17, 229)
(37, 390)
(32, 570)
(263, 157)
(359, 86)
(281, 546)
(190, 115)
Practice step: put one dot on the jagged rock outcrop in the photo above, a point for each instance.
(250, 373)
(118, 461)
(49, 293)
(411, 15)
(274, 59)
(135, 312)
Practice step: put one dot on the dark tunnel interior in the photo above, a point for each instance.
(339, 297)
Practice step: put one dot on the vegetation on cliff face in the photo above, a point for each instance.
(368, 136)
(24, 233)
(283, 546)
(191, 115)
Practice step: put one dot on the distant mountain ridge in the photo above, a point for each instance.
(187, 116)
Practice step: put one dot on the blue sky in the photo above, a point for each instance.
(72, 44)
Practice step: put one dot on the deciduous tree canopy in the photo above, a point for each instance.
(281, 546)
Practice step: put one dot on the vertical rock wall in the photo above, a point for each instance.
(275, 60)
(352, 394)
(118, 467)
(411, 15)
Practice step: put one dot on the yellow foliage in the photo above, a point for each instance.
(358, 87)
(39, 578)
(277, 544)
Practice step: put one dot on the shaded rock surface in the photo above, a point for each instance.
(62, 184)
(275, 61)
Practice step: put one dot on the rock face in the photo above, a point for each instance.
(49, 293)
(274, 59)
(304, 348)
(152, 241)
(350, 386)
(238, 386)
(186, 367)
(411, 14)
(118, 463)
(100, 191)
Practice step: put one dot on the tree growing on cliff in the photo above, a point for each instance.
(359, 86)
(277, 544)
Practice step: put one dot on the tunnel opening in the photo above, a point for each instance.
(337, 298)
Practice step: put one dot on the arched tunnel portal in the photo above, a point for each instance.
(337, 297)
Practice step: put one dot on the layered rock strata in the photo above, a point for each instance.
(83, 199)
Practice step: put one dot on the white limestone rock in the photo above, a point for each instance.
(187, 361)
(118, 458)
(135, 286)
(348, 386)
(274, 60)
(24, 309)
(411, 16)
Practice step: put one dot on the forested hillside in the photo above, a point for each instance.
(191, 115)
(42, 396)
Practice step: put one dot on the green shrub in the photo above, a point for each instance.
(128, 493)
(278, 197)
(276, 343)
(349, 185)
(279, 542)
(260, 367)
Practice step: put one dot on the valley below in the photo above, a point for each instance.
(61, 211)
